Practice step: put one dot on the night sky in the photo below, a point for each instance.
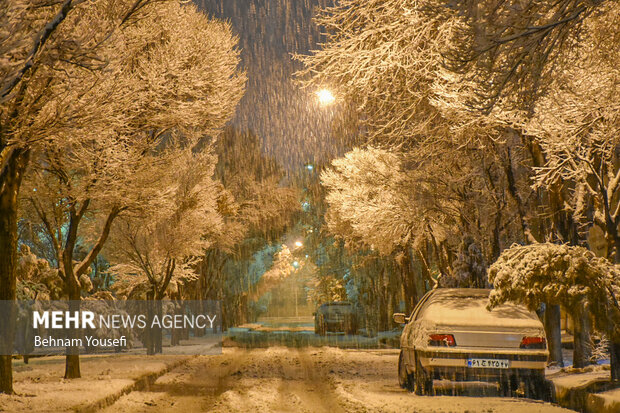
(293, 128)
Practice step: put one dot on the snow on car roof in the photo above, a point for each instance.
(467, 307)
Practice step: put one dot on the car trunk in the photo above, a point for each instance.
(472, 325)
(493, 338)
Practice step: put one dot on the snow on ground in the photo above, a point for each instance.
(610, 398)
(575, 380)
(307, 380)
(40, 387)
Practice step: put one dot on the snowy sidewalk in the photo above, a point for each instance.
(105, 378)
(586, 392)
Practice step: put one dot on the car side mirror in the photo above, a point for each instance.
(399, 318)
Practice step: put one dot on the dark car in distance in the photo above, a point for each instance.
(337, 316)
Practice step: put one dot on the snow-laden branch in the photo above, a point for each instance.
(39, 43)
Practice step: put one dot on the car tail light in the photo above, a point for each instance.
(442, 340)
(533, 343)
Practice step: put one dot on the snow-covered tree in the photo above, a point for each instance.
(383, 56)
(387, 57)
(577, 125)
(155, 253)
(423, 74)
(565, 275)
(374, 203)
(368, 203)
(570, 133)
(256, 208)
(392, 202)
(504, 54)
(175, 79)
(148, 251)
(281, 268)
(51, 54)
(264, 205)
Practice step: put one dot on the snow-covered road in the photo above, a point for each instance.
(307, 380)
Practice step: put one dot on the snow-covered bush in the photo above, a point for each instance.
(35, 277)
(557, 274)
(570, 276)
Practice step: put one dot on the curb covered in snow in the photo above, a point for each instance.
(592, 394)
(140, 383)
(599, 403)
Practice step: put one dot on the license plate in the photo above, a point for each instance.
(488, 363)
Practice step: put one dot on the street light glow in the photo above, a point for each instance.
(325, 97)
(298, 244)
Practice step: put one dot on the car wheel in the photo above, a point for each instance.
(405, 379)
(537, 387)
(508, 385)
(423, 381)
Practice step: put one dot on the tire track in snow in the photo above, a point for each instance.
(316, 388)
(196, 385)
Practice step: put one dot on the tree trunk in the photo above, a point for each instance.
(614, 352)
(158, 330)
(511, 186)
(409, 283)
(7, 324)
(614, 340)
(149, 341)
(496, 240)
(72, 365)
(6, 374)
(72, 359)
(185, 335)
(8, 245)
(177, 333)
(10, 182)
(582, 351)
(553, 330)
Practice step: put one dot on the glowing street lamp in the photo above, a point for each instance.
(299, 244)
(326, 97)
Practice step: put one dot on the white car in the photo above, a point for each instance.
(451, 335)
